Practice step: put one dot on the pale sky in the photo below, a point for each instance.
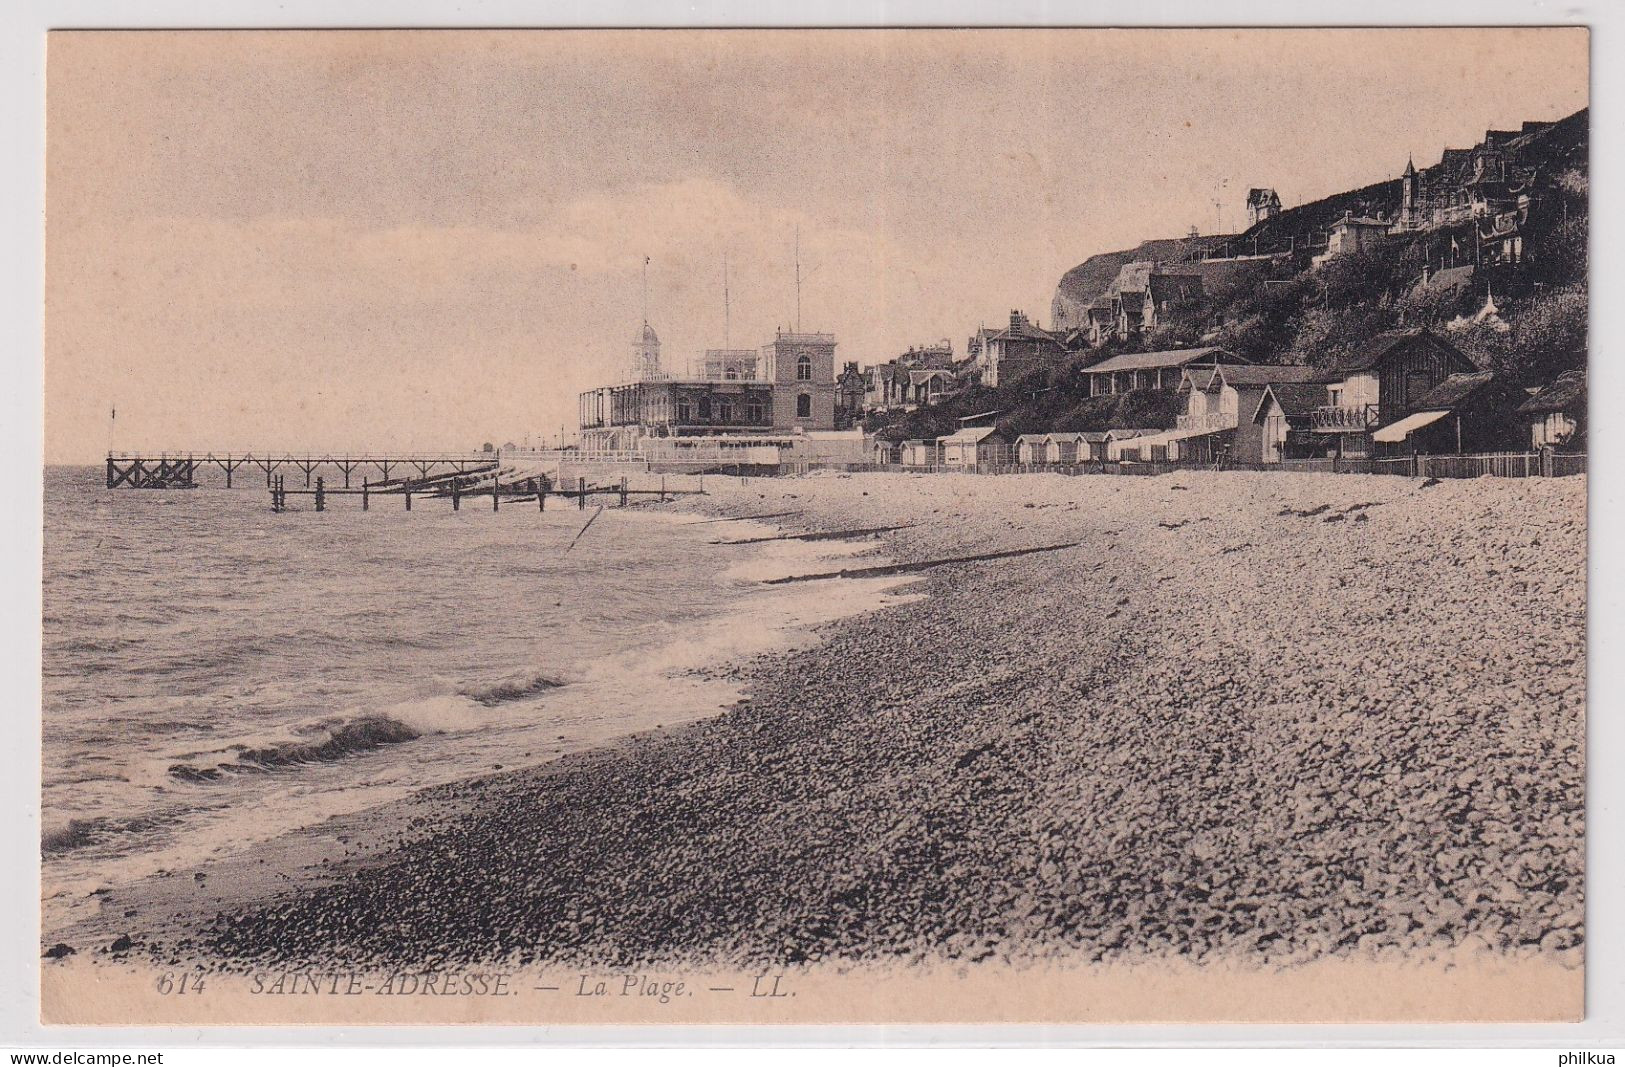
(430, 239)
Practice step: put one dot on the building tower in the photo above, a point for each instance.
(801, 367)
(1410, 188)
(645, 365)
(1262, 204)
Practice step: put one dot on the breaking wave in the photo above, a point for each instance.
(511, 689)
(80, 833)
(339, 740)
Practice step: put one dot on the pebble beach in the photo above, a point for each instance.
(1246, 718)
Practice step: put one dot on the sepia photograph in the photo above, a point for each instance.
(815, 526)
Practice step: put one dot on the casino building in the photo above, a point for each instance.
(785, 387)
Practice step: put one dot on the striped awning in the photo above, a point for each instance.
(1398, 431)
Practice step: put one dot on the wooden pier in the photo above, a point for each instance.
(473, 487)
(179, 470)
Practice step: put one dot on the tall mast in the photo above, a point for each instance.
(646, 290)
(798, 278)
(727, 313)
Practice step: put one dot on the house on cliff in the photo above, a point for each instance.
(1016, 350)
(1262, 204)
(1087, 284)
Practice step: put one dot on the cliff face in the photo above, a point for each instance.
(1088, 281)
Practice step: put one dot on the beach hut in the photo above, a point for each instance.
(920, 454)
(1032, 448)
(1126, 444)
(1281, 423)
(1092, 445)
(975, 446)
(1066, 448)
(885, 453)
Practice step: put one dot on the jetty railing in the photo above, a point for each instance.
(504, 487)
(162, 469)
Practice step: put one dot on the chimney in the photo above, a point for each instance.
(1017, 319)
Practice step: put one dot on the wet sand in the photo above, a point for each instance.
(1250, 719)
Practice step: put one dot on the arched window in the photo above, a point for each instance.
(803, 368)
(803, 404)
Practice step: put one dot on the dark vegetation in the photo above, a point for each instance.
(1289, 313)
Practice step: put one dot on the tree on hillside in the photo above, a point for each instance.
(1546, 335)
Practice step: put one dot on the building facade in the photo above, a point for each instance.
(1381, 383)
(1262, 204)
(1016, 350)
(789, 385)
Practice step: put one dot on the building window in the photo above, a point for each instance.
(731, 374)
(705, 409)
(754, 412)
(803, 368)
(682, 409)
(725, 411)
(803, 404)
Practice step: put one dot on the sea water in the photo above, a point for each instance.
(216, 674)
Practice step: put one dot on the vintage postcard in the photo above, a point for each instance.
(885, 526)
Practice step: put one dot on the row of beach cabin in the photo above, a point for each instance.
(983, 446)
(1406, 392)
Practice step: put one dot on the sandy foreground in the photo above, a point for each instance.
(1260, 746)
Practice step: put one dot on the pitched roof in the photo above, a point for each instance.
(1072, 436)
(969, 435)
(1167, 286)
(1237, 374)
(1377, 348)
(1295, 398)
(1566, 393)
(1453, 391)
(1026, 332)
(1178, 357)
(1032, 438)
(1447, 278)
(1198, 377)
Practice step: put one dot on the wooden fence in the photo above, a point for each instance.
(1492, 465)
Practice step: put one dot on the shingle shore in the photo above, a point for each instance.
(1258, 717)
